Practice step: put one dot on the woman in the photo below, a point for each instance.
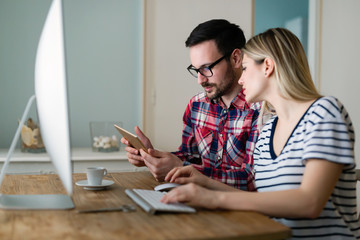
(304, 157)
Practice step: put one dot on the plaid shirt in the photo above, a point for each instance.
(220, 141)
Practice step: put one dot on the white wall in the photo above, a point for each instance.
(339, 57)
(168, 85)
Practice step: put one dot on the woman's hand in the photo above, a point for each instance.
(187, 174)
(193, 195)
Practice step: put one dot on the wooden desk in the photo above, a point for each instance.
(68, 224)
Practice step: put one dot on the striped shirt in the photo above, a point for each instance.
(324, 132)
(220, 141)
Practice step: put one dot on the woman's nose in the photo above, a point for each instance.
(241, 81)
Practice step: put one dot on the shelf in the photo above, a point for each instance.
(77, 154)
(81, 158)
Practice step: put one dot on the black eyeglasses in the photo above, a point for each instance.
(205, 71)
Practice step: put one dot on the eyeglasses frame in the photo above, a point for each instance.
(198, 70)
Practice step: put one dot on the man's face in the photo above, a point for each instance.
(223, 79)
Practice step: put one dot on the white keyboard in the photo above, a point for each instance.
(149, 200)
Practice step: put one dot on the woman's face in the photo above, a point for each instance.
(253, 80)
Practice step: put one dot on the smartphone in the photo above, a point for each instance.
(132, 139)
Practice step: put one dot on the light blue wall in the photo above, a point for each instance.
(103, 40)
(278, 13)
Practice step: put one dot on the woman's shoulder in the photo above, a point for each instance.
(328, 106)
(327, 101)
(329, 111)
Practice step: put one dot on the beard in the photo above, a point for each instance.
(224, 87)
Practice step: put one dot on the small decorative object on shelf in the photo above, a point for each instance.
(31, 140)
(104, 137)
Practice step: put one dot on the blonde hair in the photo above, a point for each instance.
(291, 66)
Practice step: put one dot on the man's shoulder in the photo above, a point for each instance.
(240, 102)
(256, 106)
(199, 97)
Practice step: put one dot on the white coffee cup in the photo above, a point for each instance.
(95, 175)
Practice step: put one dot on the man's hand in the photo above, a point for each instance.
(133, 155)
(160, 163)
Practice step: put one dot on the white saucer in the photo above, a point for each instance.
(85, 184)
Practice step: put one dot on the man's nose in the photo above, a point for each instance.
(201, 78)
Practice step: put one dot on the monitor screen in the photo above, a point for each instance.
(51, 94)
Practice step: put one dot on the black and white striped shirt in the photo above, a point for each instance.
(325, 132)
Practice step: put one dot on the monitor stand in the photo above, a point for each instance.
(36, 202)
(32, 201)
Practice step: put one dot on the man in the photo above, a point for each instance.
(220, 127)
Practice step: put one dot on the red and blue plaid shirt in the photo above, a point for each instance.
(220, 141)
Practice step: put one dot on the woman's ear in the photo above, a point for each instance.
(269, 67)
(236, 58)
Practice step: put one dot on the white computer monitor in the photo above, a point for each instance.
(51, 93)
(52, 106)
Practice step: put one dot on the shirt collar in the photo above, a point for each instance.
(238, 102)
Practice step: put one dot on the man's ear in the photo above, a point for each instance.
(236, 58)
(268, 67)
